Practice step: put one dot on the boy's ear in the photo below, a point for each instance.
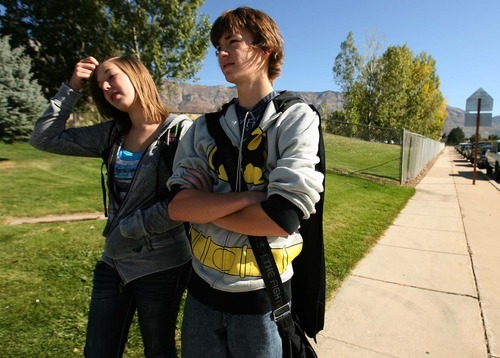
(267, 52)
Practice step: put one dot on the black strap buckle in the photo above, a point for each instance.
(282, 312)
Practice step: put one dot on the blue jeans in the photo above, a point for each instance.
(209, 333)
(156, 298)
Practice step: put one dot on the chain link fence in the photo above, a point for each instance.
(378, 152)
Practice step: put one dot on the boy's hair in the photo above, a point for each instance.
(145, 90)
(264, 29)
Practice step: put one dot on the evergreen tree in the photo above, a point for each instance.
(21, 99)
(456, 136)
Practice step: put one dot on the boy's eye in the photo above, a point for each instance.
(230, 44)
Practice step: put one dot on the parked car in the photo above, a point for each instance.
(493, 160)
(482, 163)
(465, 149)
(470, 152)
(459, 147)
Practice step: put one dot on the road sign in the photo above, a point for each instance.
(486, 101)
(485, 119)
(482, 101)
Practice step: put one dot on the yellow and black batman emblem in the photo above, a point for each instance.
(254, 159)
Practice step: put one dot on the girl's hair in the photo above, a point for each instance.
(264, 29)
(145, 90)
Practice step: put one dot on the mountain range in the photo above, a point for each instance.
(197, 99)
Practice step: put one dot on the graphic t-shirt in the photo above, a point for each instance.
(125, 167)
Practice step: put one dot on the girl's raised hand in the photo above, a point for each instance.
(82, 72)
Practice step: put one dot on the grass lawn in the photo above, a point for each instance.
(35, 183)
(374, 159)
(46, 269)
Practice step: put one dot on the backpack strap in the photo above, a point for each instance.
(169, 142)
(103, 189)
(285, 100)
(115, 134)
(169, 145)
(228, 152)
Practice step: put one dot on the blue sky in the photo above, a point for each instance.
(462, 36)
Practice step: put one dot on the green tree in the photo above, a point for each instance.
(57, 35)
(472, 138)
(21, 99)
(346, 72)
(357, 73)
(168, 36)
(426, 107)
(347, 66)
(367, 95)
(392, 85)
(455, 136)
(396, 89)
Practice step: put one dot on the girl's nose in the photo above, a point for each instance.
(105, 86)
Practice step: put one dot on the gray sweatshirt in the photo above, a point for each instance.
(224, 259)
(140, 237)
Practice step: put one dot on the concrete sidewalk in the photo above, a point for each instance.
(430, 287)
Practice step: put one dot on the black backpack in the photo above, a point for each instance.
(308, 280)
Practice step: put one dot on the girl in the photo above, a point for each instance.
(146, 260)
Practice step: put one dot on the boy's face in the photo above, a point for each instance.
(240, 61)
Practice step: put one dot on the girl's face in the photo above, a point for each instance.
(116, 86)
(239, 60)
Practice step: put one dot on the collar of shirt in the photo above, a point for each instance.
(254, 115)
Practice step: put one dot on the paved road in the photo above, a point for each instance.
(430, 287)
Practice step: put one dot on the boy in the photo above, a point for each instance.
(228, 311)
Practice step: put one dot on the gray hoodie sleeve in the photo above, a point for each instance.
(51, 135)
(147, 222)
